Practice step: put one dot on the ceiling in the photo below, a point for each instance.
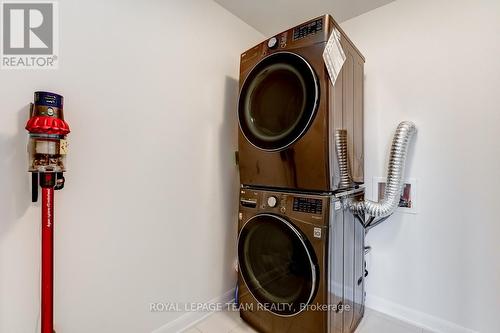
(273, 16)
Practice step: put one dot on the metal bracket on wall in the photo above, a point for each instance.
(356, 190)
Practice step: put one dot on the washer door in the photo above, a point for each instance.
(276, 264)
(278, 101)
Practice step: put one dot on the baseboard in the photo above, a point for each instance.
(376, 303)
(414, 317)
(190, 319)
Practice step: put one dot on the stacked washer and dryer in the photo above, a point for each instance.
(300, 247)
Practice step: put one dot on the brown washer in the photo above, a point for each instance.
(301, 262)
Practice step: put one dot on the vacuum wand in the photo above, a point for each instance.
(47, 149)
(47, 252)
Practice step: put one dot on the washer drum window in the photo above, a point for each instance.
(276, 264)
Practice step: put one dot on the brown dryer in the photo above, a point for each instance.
(288, 110)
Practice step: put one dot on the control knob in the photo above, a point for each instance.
(272, 43)
(272, 201)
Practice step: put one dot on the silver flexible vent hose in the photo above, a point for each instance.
(395, 173)
(343, 159)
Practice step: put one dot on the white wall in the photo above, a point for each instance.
(148, 213)
(436, 62)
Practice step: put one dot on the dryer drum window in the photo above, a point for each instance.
(277, 265)
(278, 101)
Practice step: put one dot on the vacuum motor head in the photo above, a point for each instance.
(47, 146)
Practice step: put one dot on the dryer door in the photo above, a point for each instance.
(278, 100)
(277, 264)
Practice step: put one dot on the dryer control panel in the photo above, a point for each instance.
(305, 35)
(308, 29)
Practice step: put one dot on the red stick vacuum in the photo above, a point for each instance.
(47, 150)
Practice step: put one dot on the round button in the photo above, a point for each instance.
(272, 201)
(272, 42)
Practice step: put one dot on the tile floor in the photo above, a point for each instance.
(373, 322)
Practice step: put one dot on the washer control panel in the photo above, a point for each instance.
(263, 200)
(298, 207)
(307, 205)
